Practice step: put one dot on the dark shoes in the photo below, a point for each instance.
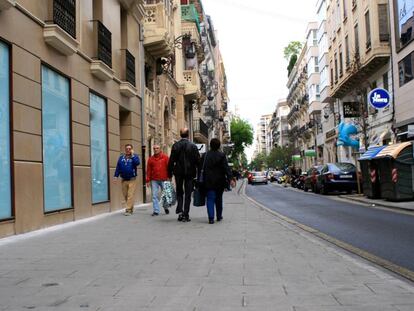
(211, 221)
(219, 218)
(167, 211)
(183, 218)
(154, 214)
(180, 217)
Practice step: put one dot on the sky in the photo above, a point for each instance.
(252, 36)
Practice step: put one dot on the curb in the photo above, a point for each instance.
(401, 271)
(376, 203)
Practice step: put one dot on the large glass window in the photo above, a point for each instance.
(404, 13)
(5, 178)
(405, 69)
(56, 141)
(99, 150)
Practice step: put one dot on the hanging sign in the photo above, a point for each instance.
(379, 98)
(351, 110)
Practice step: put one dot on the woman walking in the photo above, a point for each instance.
(216, 176)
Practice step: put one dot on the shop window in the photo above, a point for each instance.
(5, 175)
(99, 149)
(56, 141)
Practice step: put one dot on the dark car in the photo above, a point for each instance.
(310, 180)
(337, 177)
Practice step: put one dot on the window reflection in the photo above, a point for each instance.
(99, 153)
(56, 141)
(5, 178)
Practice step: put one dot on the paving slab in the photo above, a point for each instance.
(250, 261)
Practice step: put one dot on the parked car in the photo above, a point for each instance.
(249, 178)
(310, 180)
(259, 178)
(337, 177)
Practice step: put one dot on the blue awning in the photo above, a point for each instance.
(371, 153)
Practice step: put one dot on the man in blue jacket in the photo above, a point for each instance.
(127, 169)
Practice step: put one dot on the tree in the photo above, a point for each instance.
(242, 137)
(279, 157)
(259, 162)
(293, 48)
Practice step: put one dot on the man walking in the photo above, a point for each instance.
(127, 169)
(183, 165)
(157, 173)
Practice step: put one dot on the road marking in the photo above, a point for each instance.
(404, 272)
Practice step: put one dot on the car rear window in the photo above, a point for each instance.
(258, 174)
(347, 167)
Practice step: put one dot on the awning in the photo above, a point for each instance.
(296, 157)
(310, 153)
(371, 153)
(392, 151)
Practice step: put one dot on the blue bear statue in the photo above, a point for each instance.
(344, 132)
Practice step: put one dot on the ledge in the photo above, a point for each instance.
(6, 4)
(60, 39)
(127, 89)
(102, 71)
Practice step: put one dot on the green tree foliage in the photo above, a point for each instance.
(242, 137)
(292, 63)
(279, 157)
(259, 162)
(293, 48)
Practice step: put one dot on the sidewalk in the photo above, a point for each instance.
(250, 261)
(363, 199)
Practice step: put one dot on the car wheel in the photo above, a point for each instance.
(323, 190)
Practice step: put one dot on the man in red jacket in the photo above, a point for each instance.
(157, 173)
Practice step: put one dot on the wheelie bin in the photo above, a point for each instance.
(396, 164)
(371, 183)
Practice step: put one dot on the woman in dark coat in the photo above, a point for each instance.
(217, 176)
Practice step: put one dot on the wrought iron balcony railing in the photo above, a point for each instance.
(104, 44)
(201, 127)
(129, 67)
(64, 15)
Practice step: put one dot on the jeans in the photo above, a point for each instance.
(155, 186)
(187, 183)
(214, 197)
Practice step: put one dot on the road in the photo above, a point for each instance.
(386, 234)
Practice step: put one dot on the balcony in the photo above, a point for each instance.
(127, 86)
(315, 107)
(292, 112)
(192, 84)
(190, 28)
(158, 30)
(361, 68)
(6, 4)
(200, 130)
(101, 66)
(61, 34)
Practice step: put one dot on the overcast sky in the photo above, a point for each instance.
(252, 35)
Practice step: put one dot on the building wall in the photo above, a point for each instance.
(29, 52)
(404, 92)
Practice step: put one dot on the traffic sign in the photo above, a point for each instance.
(379, 98)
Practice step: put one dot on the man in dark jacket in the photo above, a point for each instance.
(127, 169)
(183, 165)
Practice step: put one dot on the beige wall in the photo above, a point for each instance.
(29, 51)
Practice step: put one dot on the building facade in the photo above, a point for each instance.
(264, 135)
(402, 22)
(279, 125)
(359, 61)
(70, 99)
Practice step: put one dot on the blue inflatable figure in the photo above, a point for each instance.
(344, 132)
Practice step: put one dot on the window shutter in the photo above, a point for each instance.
(383, 22)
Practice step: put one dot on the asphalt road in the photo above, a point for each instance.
(386, 234)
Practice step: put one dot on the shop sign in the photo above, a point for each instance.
(351, 110)
(331, 133)
(379, 98)
(202, 148)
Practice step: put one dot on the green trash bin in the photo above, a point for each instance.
(396, 172)
(371, 183)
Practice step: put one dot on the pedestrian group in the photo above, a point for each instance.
(207, 176)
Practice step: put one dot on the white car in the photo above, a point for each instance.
(259, 178)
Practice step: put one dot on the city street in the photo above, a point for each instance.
(387, 234)
(250, 261)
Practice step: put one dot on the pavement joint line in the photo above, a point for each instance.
(59, 227)
(356, 201)
(401, 271)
